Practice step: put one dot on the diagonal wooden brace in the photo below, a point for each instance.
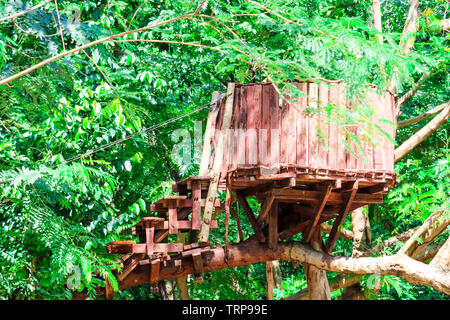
(251, 217)
(317, 212)
(265, 208)
(341, 218)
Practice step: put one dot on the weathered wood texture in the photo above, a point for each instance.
(266, 134)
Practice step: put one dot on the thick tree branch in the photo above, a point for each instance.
(407, 146)
(421, 230)
(414, 89)
(90, 44)
(340, 282)
(442, 258)
(423, 116)
(250, 252)
(18, 14)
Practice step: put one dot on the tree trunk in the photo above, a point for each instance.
(269, 280)
(318, 286)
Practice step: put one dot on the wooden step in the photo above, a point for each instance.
(183, 225)
(119, 247)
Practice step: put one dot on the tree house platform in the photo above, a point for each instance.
(302, 161)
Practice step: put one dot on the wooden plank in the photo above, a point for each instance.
(273, 226)
(341, 218)
(235, 125)
(284, 128)
(265, 209)
(186, 203)
(264, 142)
(334, 198)
(195, 245)
(275, 127)
(198, 267)
(191, 252)
(209, 134)
(149, 235)
(196, 205)
(251, 217)
(317, 212)
(215, 172)
(292, 120)
(333, 129)
(130, 264)
(341, 163)
(251, 144)
(154, 275)
(313, 92)
(109, 291)
(142, 248)
(173, 218)
(323, 127)
(302, 126)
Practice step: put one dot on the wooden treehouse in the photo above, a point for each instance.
(301, 168)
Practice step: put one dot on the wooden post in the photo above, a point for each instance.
(215, 172)
(209, 133)
(154, 275)
(196, 205)
(198, 267)
(173, 217)
(341, 218)
(149, 234)
(109, 292)
(269, 280)
(273, 225)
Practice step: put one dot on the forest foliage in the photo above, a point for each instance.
(66, 189)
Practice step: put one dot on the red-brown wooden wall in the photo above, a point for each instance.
(256, 106)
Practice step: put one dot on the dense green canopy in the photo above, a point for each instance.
(64, 94)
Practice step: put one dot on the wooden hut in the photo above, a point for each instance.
(305, 159)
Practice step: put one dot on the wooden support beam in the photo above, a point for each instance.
(109, 291)
(334, 197)
(217, 166)
(209, 134)
(251, 217)
(341, 218)
(130, 264)
(142, 248)
(265, 209)
(198, 267)
(317, 212)
(154, 275)
(273, 226)
(182, 214)
(149, 238)
(196, 205)
(173, 217)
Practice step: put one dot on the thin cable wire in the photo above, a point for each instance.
(145, 130)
